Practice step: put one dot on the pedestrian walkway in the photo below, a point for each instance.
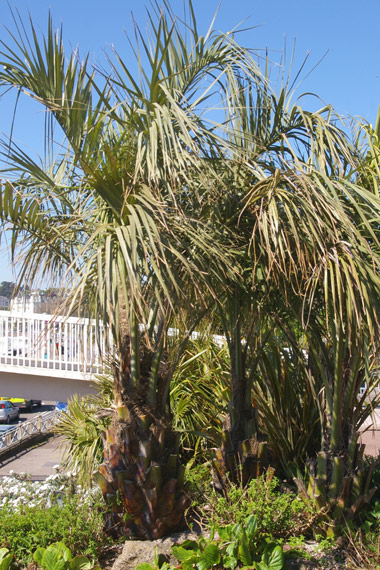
(38, 461)
(371, 434)
(371, 439)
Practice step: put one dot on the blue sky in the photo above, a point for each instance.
(344, 32)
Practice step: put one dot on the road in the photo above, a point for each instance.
(26, 415)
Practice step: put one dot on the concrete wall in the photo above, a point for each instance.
(38, 387)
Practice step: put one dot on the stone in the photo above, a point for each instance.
(139, 551)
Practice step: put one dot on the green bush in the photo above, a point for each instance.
(77, 524)
(237, 546)
(279, 512)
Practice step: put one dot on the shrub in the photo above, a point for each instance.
(73, 522)
(279, 512)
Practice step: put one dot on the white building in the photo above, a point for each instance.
(25, 303)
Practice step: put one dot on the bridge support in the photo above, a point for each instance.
(42, 387)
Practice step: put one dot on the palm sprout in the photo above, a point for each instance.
(82, 426)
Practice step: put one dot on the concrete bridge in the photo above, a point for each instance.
(46, 357)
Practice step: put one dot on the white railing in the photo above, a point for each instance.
(42, 423)
(46, 342)
(56, 345)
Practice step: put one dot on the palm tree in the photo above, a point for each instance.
(118, 213)
(306, 239)
(154, 214)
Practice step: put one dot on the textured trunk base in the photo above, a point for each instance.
(142, 480)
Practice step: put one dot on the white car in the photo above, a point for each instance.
(8, 412)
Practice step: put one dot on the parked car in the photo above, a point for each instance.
(8, 412)
(22, 403)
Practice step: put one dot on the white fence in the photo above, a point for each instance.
(42, 423)
(54, 345)
(44, 342)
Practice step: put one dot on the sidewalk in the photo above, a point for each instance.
(38, 461)
(371, 438)
(371, 434)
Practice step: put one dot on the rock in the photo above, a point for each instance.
(138, 551)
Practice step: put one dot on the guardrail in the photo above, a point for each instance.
(51, 342)
(42, 423)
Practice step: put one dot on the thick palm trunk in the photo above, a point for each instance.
(141, 477)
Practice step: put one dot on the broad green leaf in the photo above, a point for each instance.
(251, 526)
(184, 555)
(276, 559)
(244, 551)
(261, 566)
(236, 530)
(189, 544)
(232, 549)
(225, 532)
(230, 562)
(62, 550)
(51, 560)
(5, 559)
(80, 563)
(38, 554)
(202, 564)
(211, 554)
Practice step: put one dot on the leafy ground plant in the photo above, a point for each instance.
(58, 556)
(279, 512)
(236, 546)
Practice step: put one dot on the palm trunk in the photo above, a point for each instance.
(243, 455)
(141, 477)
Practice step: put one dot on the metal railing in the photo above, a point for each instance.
(56, 345)
(47, 342)
(43, 423)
